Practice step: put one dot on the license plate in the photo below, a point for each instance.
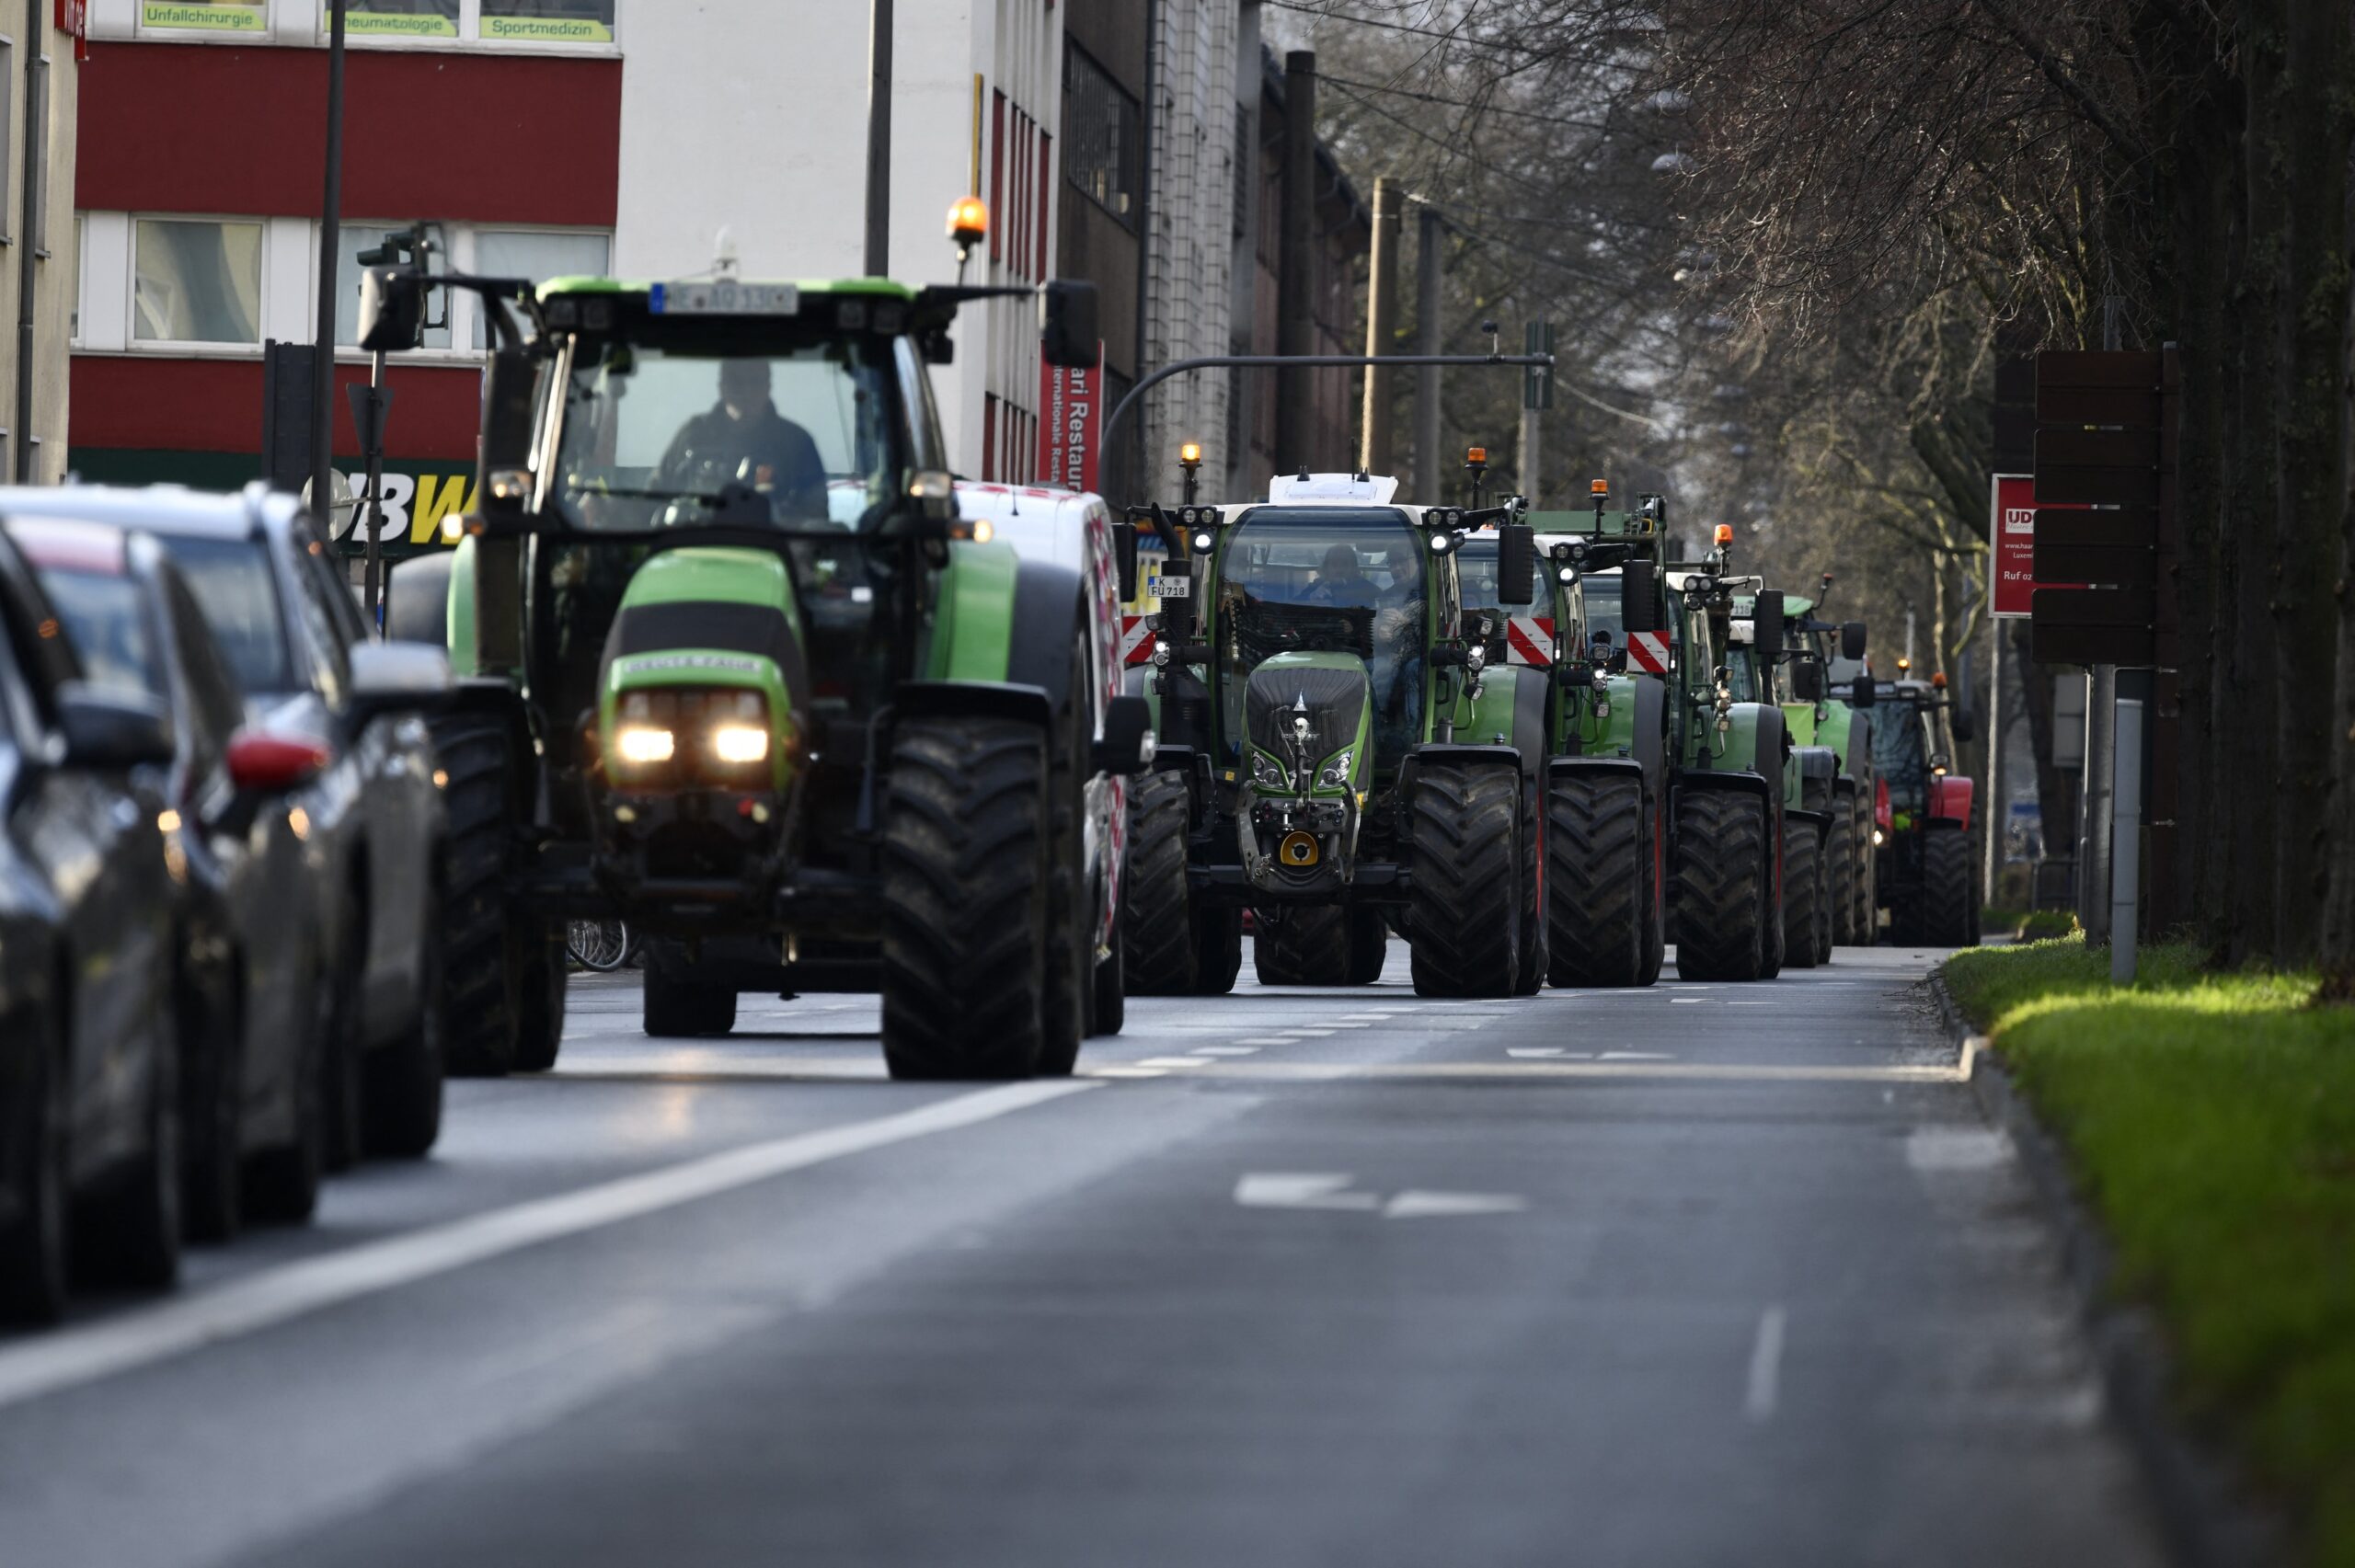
(725, 297)
(1170, 588)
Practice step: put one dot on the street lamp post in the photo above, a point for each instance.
(330, 243)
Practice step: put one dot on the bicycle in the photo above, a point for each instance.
(598, 947)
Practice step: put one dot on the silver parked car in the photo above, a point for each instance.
(367, 809)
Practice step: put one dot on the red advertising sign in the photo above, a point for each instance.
(1070, 422)
(2012, 562)
(74, 21)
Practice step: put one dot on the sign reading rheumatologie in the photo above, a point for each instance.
(1071, 423)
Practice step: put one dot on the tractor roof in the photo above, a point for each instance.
(873, 287)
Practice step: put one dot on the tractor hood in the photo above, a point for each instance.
(1332, 694)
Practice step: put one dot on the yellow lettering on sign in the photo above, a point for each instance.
(437, 496)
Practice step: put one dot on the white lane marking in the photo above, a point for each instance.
(1306, 1033)
(1637, 1056)
(1765, 1367)
(1225, 1050)
(1418, 1203)
(1255, 1041)
(1173, 1061)
(1956, 1149)
(1533, 1050)
(1749, 1004)
(1331, 1023)
(136, 1339)
(1124, 1073)
(1712, 1072)
(1300, 1189)
(1376, 1017)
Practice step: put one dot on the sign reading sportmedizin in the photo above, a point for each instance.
(1071, 423)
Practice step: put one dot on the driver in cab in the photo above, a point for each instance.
(742, 438)
(1338, 580)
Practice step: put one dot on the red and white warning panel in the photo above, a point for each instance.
(1648, 651)
(1136, 640)
(1529, 639)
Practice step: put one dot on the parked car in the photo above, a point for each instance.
(90, 1099)
(371, 814)
(253, 1042)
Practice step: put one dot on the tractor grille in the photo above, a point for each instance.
(1334, 700)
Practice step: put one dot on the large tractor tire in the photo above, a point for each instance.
(1301, 945)
(1464, 855)
(1840, 875)
(1070, 932)
(675, 1007)
(1948, 898)
(485, 968)
(1536, 937)
(1216, 937)
(1156, 936)
(966, 875)
(1723, 876)
(1369, 947)
(1867, 884)
(1806, 896)
(1777, 927)
(1655, 890)
(1596, 876)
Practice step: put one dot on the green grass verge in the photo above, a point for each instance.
(2212, 1121)
(2028, 925)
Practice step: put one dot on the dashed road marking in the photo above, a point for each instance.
(1416, 1204)
(1765, 1383)
(1300, 1189)
(1225, 1050)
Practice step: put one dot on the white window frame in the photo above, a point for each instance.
(192, 349)
(464, 251)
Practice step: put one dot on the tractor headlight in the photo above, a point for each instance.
(739, 743)
(644, 745)
(1268, 773)
(1335, 773)
(1879, 838)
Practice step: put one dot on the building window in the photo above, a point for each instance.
(548, 21)
(205, 15)
(402, 18)
(196, 281)
(1102, 142)
(354, 238)
(539, 254)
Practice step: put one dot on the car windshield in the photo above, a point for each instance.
(109, 629)
(807, 438)
(232, 584)
(1898, 756)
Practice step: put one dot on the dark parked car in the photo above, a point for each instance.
(89, 956)
(252, 1048)
(371, 817)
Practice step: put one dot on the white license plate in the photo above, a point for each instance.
(725, 297)
(1170, 588)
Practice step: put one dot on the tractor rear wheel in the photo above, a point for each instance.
(1946, 890)
(1840, 876)
(1655, 891)
(966, 894)
(1536, 938)
(1071, 912)
(1464, 854)
(1723, 876)
(1806, 893)
(483, 967)
(1157, 937)
(1866, 928)
(1301, 945)
(1596, 872)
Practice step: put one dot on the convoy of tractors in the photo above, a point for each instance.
(762, 677)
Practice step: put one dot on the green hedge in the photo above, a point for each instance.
(2212, 1121)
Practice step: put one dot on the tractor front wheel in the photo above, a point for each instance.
(1723, 876)
(1806, 893)
(1463, 856)
(1157, 937)
(1301, 945)
(1948, 895)
(1596, 874)
(966, 889)
(1840, 878)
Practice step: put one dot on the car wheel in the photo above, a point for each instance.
(33, 1243)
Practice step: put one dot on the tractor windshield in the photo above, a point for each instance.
(807, 437)
(1900, 757)
(1326, 580)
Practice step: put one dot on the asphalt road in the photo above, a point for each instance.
(1693, 1275)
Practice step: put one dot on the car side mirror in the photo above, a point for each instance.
(390, 676)
(111, 731)
(1862, 692)
(1639, 597)
(1067, 332)
(1124, 560)
(1807, 680)
(1516, 562)
(263, 764)
(392, 309)
(1127, 743)
(1852, 640)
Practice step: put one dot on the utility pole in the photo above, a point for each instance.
(1381, 329)
(2101, 740)
(330, 248)
(879, 139)
(1428, 337)
(1296, 276)
(1536, 397)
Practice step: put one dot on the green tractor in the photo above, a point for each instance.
(735, 671)
(1336, 752)
(1815, 650)
(1928, 859)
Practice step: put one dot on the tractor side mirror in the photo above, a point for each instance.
(1862, 693)
(1127, 743)
(1852, 640)
(1639, 597)
(392, 309)
(1806, 680)
(1766, 623)
(1516, 562)
(1067, 333)
(1964, 725)
(510, 403)
(1124, 560)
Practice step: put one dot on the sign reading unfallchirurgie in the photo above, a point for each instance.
(206, 15)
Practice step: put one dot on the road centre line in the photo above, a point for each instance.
(1958, 1072)
(105, 1349)
(1765, 1383)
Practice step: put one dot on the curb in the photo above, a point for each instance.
(2209, 1514)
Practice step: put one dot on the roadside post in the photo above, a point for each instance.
(2125, 856)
